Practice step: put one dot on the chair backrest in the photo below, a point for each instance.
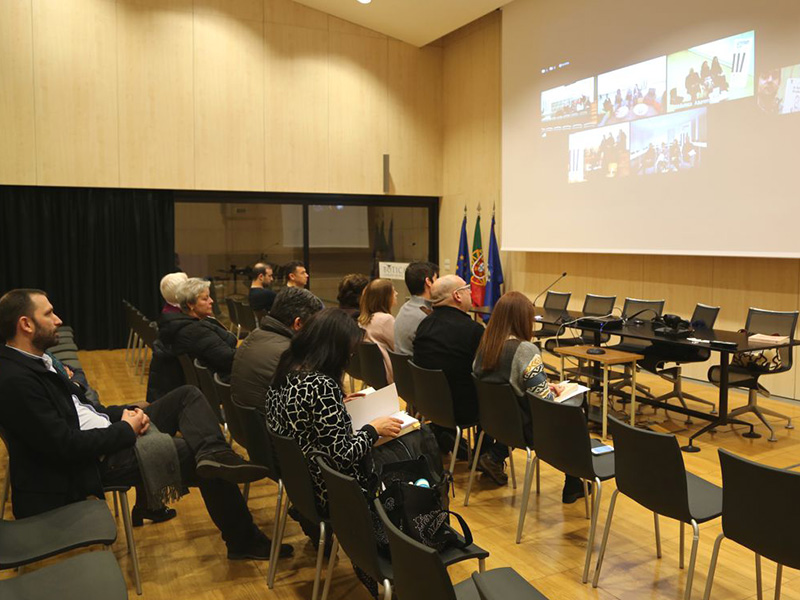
(295, 475)
(373, 368)
(354, 367)
(432, 394)
(500, 414)
(646, 310)
(244, 315)
(773, 322)
(418, 569)
(561, 437)
(759, 508)
(556, 300)
(352, 520)
(649, 469)
(704, 316)
(212, 292)
(206, 383)
(259, 445)
(403, 378)
(189, 374)
(598, 305)
(232, 418)
(149, 334)
(232, 314)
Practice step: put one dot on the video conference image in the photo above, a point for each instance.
(574, 102)
(633, 92)
(669, 143)
(779, 90)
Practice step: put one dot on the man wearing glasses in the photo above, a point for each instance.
(447, 339)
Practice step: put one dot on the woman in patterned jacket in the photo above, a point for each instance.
(507, 355)
(306, 401)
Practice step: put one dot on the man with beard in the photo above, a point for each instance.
(63, 449)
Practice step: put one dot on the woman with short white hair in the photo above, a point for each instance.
(169, 290)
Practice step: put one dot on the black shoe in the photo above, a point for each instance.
(258, 549)
(228, 465)
(494, 469)
(572, 493)
(139, 514)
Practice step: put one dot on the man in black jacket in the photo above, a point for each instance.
(63, 449)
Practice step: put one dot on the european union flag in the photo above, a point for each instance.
(463, 268)
(495, 275)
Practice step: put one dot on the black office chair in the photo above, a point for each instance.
(593, 305)
(300, 493)
(403, 379)
(759, 512)
(554, 302)
(206, 383)
(769, 322)
(189, 374)
(420, 573)
(245, 317)
(650, 471)
(561, 439)
(502, 419)
(373, 369)
(435, 402)
(88, 576)
(658, 355)
(233, 316)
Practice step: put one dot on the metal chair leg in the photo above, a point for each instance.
(530, 466)
(597, 492)
(273, 551)
(481, 565)
(246, 492)
(474, 468)
(273, 564)
(455, 450)
(692, 560)
(680, 560)
(658, 535)
(387, 589)
(331, 564)
(713, 566)
(778, 577)
(538, 466)
(126, 520)
(605, 539)
(320, 556)
(759, 588)
(511, 467)
(116, 505)
(129, 344)
(7, 489)
(586, 497)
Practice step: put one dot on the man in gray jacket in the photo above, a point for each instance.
(256, 359)
(419, 278)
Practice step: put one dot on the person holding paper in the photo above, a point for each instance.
(507, 355)
(375, 318)
(306, 401)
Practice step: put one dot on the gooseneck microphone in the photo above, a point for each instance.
(564, 274)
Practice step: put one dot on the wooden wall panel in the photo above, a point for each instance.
(18, 138)
(296, 108)
(288, 12)
(357, 105)
(156, 91)
(75, 80)
(415, 119)
(229, 95)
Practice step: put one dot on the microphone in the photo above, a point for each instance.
(564, 274)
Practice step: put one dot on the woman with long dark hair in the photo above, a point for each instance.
(306, 401)
(507, 355)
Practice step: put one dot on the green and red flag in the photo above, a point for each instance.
(478, 276)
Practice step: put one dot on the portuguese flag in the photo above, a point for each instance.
(478, 277)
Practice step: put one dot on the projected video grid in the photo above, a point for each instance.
(651, 117)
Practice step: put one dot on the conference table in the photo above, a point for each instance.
(644, 330)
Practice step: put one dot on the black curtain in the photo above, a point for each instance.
(88, 249)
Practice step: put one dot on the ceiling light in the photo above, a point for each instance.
(365, 1)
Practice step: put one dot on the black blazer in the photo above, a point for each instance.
(53, 462)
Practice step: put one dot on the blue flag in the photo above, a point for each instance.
(463, 267)
(494, 275)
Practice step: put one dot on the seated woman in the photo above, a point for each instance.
(169, 286)
(507, 355)
(196, 332)
(349, 296)
(306, 401)
(376, 319)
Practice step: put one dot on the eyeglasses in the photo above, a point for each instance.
(463, 287)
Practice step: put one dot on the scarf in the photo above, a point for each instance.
(160, 468)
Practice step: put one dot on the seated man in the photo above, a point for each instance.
(261, 296)
(448, 339)
(296, 274)
(420, 277)
(256, 359)
(63, 449)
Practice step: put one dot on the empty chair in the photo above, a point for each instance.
(768, 322)
(300, 492)
(420, 573)
(759, 511)
(88, 576)
(373, 369)
(658, 355)
(501, 418)
(245, 317)
(205, 380)
(650, 470)
(593, 305)
(553, 302)
(561, 439)
(432, 393)
(403, 379)
(233, 316)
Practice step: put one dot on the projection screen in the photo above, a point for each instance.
(657, 128)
